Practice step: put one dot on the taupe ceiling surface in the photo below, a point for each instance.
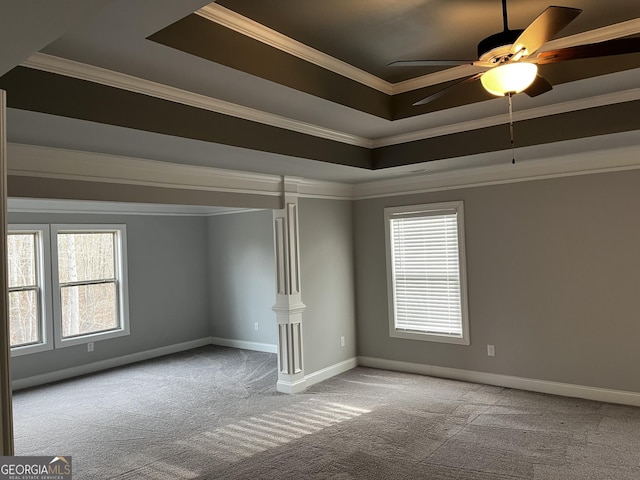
(168, 43)
(319, 26)
(371, 34)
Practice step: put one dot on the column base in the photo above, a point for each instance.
(284, 386)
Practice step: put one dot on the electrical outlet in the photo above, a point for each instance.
(491, 350)
(256, 326)
(90, 347)
(342, 341)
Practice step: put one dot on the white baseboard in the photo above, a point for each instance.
(106, 364)
(330, 371)
(543, 386)
(93, 367)
(298, 386)
(255, 346)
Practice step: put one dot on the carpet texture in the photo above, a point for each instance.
(213, 413)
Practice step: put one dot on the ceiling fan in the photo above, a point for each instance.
(509, 57)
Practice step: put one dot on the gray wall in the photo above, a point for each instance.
(167, 289)
(553, 278)
(327, 267)
(242, 276)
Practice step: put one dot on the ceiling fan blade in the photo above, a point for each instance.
(618, 46)
(446, 90)
(539, 86)
(543, 28)
(429, 63)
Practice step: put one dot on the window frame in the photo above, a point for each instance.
(43, 274)
(429, 209)
(121, 277)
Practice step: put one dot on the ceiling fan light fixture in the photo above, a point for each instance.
(509, 78)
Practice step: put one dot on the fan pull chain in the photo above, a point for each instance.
(513, 147)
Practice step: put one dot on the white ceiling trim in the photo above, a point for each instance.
(245, 26)
(446, 75)
(583, 163)
(250, 28)
(47, 162)
(554, 109)
(610, 32)
(52, 206)
(103, 76)
(82, 71)
(307, 188)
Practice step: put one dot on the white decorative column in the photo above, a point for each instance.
(288, 307)
(6, 416)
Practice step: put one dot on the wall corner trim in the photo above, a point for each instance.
(534, 385)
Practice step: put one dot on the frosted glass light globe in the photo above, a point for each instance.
(509, 78)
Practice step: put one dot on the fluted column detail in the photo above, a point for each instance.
(288, 307)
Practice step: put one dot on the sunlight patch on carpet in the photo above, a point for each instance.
(271, 430)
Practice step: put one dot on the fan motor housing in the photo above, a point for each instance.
(496, 41)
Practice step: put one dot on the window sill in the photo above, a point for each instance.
(427, 337)
(92, 337)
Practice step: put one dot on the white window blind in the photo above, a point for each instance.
(426, 276)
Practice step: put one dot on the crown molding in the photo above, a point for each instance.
(48, 162)
(245, 26)
(541, 166)
(102, 76)
(252, 29)
(436, 78)
(610, 32)
(538, 112)
(306, 188)
(110, 78)
(36, 161)
(52, 206)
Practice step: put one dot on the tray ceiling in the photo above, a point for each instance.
(285, 81)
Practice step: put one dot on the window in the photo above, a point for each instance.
(427, 279)
(89, 284)
(67, 285)
(29, 299)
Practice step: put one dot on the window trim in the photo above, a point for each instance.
(43, 266)
(428, 210)
(122, 291)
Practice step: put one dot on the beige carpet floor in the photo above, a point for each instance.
(213, 413)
